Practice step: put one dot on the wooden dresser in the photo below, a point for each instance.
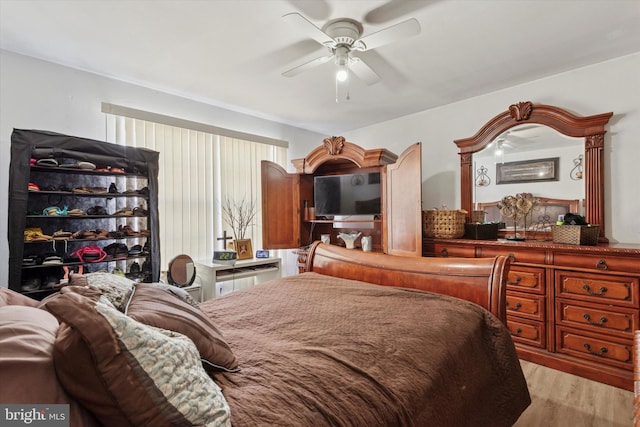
(572, 308)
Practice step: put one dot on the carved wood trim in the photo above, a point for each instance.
(590, 127)
(337, 148)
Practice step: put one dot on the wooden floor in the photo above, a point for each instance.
(559, 399)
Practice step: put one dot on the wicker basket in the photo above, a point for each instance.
(576, 234)
(443, 224)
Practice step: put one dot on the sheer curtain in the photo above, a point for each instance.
(198, 170)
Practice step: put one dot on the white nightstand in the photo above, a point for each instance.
(218, 279)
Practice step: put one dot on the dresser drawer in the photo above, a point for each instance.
(598, 319)
(529, 306)
(600, 288)
(516, 254)
(528, 279)
(595, 348)
(444, 250)
(598, 262)
(526, 332)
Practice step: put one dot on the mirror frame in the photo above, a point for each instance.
(591, 128)
(172, 264)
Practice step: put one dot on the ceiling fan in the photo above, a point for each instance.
(342, 37)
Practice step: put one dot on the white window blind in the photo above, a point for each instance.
(197, 171)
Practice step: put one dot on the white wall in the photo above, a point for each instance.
(39, 95)
(610, 86)
(36, 94)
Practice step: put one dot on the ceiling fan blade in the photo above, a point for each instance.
(408, 28)
(394, 9)
(363, 71)
(307, 27)
(307, 65)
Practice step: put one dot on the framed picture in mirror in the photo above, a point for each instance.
(527, 171)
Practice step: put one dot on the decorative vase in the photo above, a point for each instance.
(367, 243)
(350, 238)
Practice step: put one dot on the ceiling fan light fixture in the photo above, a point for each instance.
(342, 63)
(342, 74)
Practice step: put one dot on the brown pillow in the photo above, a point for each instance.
(9, 297)
(130, 374)
(27, 336)
(156, 307)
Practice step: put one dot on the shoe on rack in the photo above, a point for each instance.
(52, 259)
(140, 211)
(62, 235)
(113, 189)
(97, 211)
(135, 268)
(124, 212)
(34, 234)
(31, 284)
(51, 281)
(135, 250)
(128, 230)
(31, 260)
(146, 267)
(51, 162)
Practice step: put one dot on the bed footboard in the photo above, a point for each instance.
(479, 280)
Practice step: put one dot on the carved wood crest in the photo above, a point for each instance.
(521, 110)
(334, 145)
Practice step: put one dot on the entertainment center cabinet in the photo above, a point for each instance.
(287, 197)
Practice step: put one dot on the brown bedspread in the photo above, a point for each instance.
(315, 350)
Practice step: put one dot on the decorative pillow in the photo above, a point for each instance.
(116, 288)
(179, 292)
(155, 307)
(128, 373)
(9, 297)
(27, 335)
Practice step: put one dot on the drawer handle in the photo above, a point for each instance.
(518, 331)
(444, 252)
(515, 282)
(601, 353)
(512, 256)
(602, 321)
(516, 307)
(601, 292)
(602, 265)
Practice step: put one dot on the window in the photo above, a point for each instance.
(198, 169)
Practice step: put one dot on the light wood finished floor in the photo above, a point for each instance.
(559, 399)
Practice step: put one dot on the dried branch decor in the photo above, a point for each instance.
(239, 215)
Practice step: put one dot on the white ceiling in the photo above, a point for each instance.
(231, 53)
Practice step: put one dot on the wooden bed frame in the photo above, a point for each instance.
(479, 280)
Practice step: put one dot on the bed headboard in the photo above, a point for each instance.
(479, 280)
(549, 208)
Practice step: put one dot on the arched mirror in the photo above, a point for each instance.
(536, 132)
(182, 271)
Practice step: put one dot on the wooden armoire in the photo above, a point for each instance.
(287, 196)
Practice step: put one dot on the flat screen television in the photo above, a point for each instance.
(351, 194)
